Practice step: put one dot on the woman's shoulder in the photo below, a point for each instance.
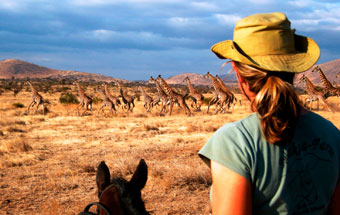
(248, 128)
(311, 119)
(314, 125)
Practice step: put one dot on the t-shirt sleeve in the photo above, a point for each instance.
(230, 147)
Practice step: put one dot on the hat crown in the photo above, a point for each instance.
(265, 34)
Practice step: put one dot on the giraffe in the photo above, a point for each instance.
(129, 101)
(37, 99)
(197, 98)
(219, 96)
(116, 102)
(106, 103)
(162, 97)
(329, 89)
(85, 100)
(313, 94)
(174, 96)
(232, 100)
(148, 100)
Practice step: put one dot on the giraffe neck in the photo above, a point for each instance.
(121, 90)
(80, 89)
(143, 91)
(168, 90)
(32, 88)
(159, 88)
(310, 86)
(324, 80)
(215, 82)
(106, 89)
(103, 93)
(221, 83)
(190, 87)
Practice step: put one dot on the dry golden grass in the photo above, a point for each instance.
(48, 163)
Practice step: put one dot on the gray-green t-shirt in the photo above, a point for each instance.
(297, 178)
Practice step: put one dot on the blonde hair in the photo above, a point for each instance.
(276, 101)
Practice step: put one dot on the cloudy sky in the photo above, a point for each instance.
(133, 39)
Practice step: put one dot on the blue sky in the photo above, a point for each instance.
(134, 39)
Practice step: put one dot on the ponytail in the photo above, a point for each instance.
(276, 101)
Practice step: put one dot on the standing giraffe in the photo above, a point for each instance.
(313, 94)
(328, 87)
(162, 97)
(174, 96)
(232, 100)
(106, 103)
(37, 99)
(129, 101)
(85, 100)
(116, 102)
(197, 98)
(219, 96)
(148, 101)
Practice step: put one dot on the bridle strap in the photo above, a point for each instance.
(99, 205)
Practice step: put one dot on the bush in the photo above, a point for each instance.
(18, 105)
(68, 98)
(97, 100)
(63, 89)
(206, 100)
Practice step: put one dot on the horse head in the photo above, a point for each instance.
(119, 196)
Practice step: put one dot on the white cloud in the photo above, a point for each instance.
(300, 3)
(260, 1)
(114, 2)
(204, 5)
(185, 22)
(10, 5)
(103, 35)
(227, 19)
(305, 22)
(319, 19)
(179, 21)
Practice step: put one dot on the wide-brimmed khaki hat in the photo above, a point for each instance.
(266, 41)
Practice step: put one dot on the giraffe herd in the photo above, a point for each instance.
(166, 96)
(315, 95)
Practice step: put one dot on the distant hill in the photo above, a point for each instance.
(197, 79)
(13, 68)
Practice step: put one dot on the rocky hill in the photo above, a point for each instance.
(13, 68)
(195, 79)
(198, 79)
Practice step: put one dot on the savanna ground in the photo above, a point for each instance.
(48, 163)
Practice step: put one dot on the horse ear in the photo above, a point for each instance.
(103, 177)
(140, 176)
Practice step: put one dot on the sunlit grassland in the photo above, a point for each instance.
(48, 163)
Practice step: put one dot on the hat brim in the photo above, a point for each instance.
(306, 55)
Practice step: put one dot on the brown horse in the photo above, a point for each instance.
(118, 196)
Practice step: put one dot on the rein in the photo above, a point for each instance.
(99, 205)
